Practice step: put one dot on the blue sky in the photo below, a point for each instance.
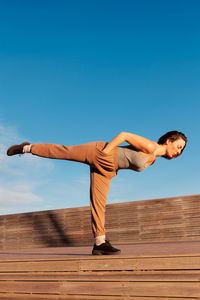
(79, 71)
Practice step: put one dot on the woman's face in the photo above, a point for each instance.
(174, 148)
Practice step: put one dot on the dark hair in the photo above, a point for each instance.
(172, 136)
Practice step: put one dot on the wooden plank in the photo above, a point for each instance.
(68, 265)
(122, 258)
(142, 263)
(134, 289)
(83, 297)
(147, 254)
(160, 273)
(156, 289)
(100, 276)
(102, 264)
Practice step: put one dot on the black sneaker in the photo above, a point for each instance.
(105, 249)
(16, 149)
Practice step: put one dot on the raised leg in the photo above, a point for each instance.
(81, 153)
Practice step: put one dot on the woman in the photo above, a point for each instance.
(105, 159)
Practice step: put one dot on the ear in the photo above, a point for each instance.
(168, 141)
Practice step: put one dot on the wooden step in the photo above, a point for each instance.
(150, 277)
(102, 263)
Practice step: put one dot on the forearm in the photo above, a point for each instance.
(119, 139)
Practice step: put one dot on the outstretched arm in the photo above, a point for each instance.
(139, 142)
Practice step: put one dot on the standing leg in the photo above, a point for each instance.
(99, 188)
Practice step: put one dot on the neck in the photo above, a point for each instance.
(161, 150)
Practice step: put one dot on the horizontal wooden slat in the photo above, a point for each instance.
(84, 297)
(105, 277)
(157, 289)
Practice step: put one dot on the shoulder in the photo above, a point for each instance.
(153, 146)
(141, 143)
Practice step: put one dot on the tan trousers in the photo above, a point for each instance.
(103, 167)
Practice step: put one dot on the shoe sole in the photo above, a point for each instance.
(100, 252)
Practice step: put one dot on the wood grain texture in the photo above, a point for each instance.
(159, 220)
(84, 297)
(89, 277)
(160, 253)
(156, 289)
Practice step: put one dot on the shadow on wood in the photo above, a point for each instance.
(58, 238)
(159, 220)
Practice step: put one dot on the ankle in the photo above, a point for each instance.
(27, 149)
(100, 240)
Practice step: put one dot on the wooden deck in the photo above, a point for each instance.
(146, 271)
(47, 255)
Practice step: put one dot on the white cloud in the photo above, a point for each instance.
(17, 194)
(114, 200)
(8, 135)
(19, 176)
